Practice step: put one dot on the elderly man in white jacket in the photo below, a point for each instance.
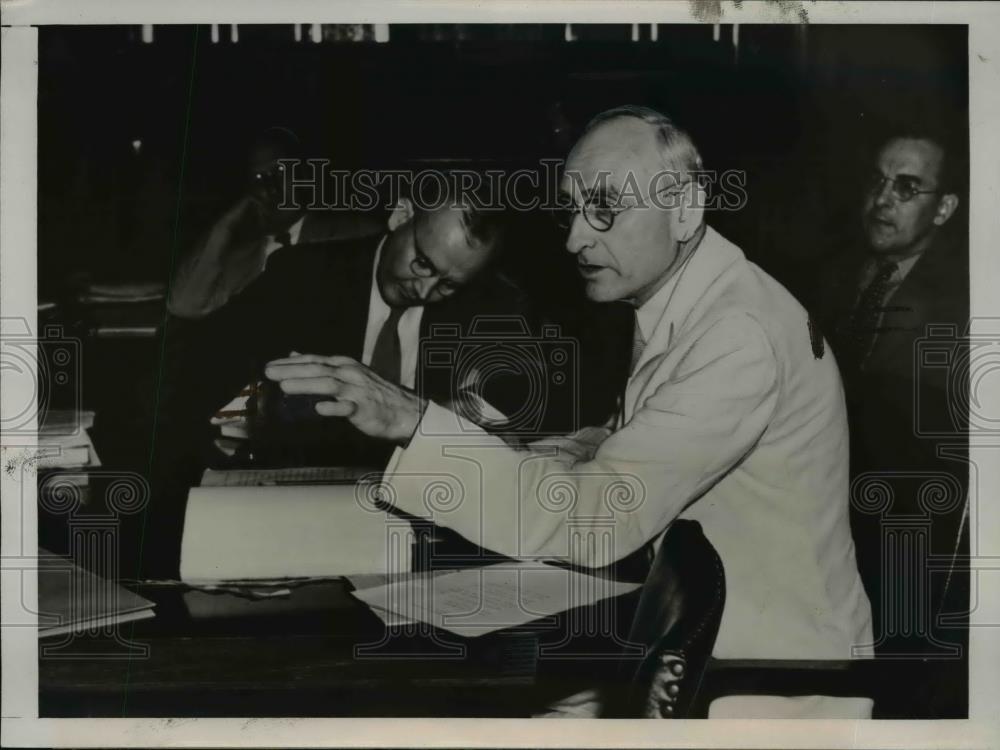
(733, 416)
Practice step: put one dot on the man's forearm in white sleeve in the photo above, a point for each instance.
(694, 428)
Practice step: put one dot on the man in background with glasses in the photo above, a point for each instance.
(904, 290)
(907, 203)
(733, 416)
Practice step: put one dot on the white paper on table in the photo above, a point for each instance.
(381, 580)
(67, 451)
(60, 424)
(288, 475)
(477, 601)
(392, 619)
(254, 533)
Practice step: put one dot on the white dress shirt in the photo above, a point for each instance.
(648, 315)
(408, 329)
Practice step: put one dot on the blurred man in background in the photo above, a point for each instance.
(903, 293)
(235, 249)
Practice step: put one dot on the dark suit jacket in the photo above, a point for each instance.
(229, 256)
(314, 299)
(900, 388)
(904, 407)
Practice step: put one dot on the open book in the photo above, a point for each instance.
(259, 533)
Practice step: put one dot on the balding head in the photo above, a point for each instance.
(630, 175)
(675, 149)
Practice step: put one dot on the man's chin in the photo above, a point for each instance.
(597, 292)
(398, 299)
(879, 242)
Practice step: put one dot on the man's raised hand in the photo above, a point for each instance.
(372, 404)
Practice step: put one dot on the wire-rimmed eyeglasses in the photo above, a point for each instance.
(902, 187)
(600, 211)
(422, 266)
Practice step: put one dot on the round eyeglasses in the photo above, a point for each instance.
(903, 188)
(599, 217)
(600, 212)
(422, 267)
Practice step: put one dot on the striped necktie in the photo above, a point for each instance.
(864, 324)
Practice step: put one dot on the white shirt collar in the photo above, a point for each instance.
(903, 268)
(294, 231)
(648, 315)
(906, 265)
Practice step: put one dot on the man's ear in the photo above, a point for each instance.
(945, 208)
(691, 212)
(402, 213)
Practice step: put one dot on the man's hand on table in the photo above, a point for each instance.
(372, 404)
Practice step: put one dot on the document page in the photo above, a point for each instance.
(477, 601)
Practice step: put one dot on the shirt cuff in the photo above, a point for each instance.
(423, 480)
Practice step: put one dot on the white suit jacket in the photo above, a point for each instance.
(734, 416)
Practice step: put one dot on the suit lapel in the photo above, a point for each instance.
(925, 296)
(332, 303)
(356, 296)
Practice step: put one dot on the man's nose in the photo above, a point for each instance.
(581, 235)
(424, 286)
(884, 196)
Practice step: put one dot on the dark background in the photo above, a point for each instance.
(795, 106)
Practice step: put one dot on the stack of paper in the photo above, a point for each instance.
(126, 310)
(129, 292)
(66, 444)
(71, 599)
(267, 533)
(477, 601)
(233, 423)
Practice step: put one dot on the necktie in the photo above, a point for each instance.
(865, 320)
(387, 356)
(283, 238)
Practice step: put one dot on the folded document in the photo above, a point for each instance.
(477, 601)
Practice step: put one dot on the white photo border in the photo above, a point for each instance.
(18, 258)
